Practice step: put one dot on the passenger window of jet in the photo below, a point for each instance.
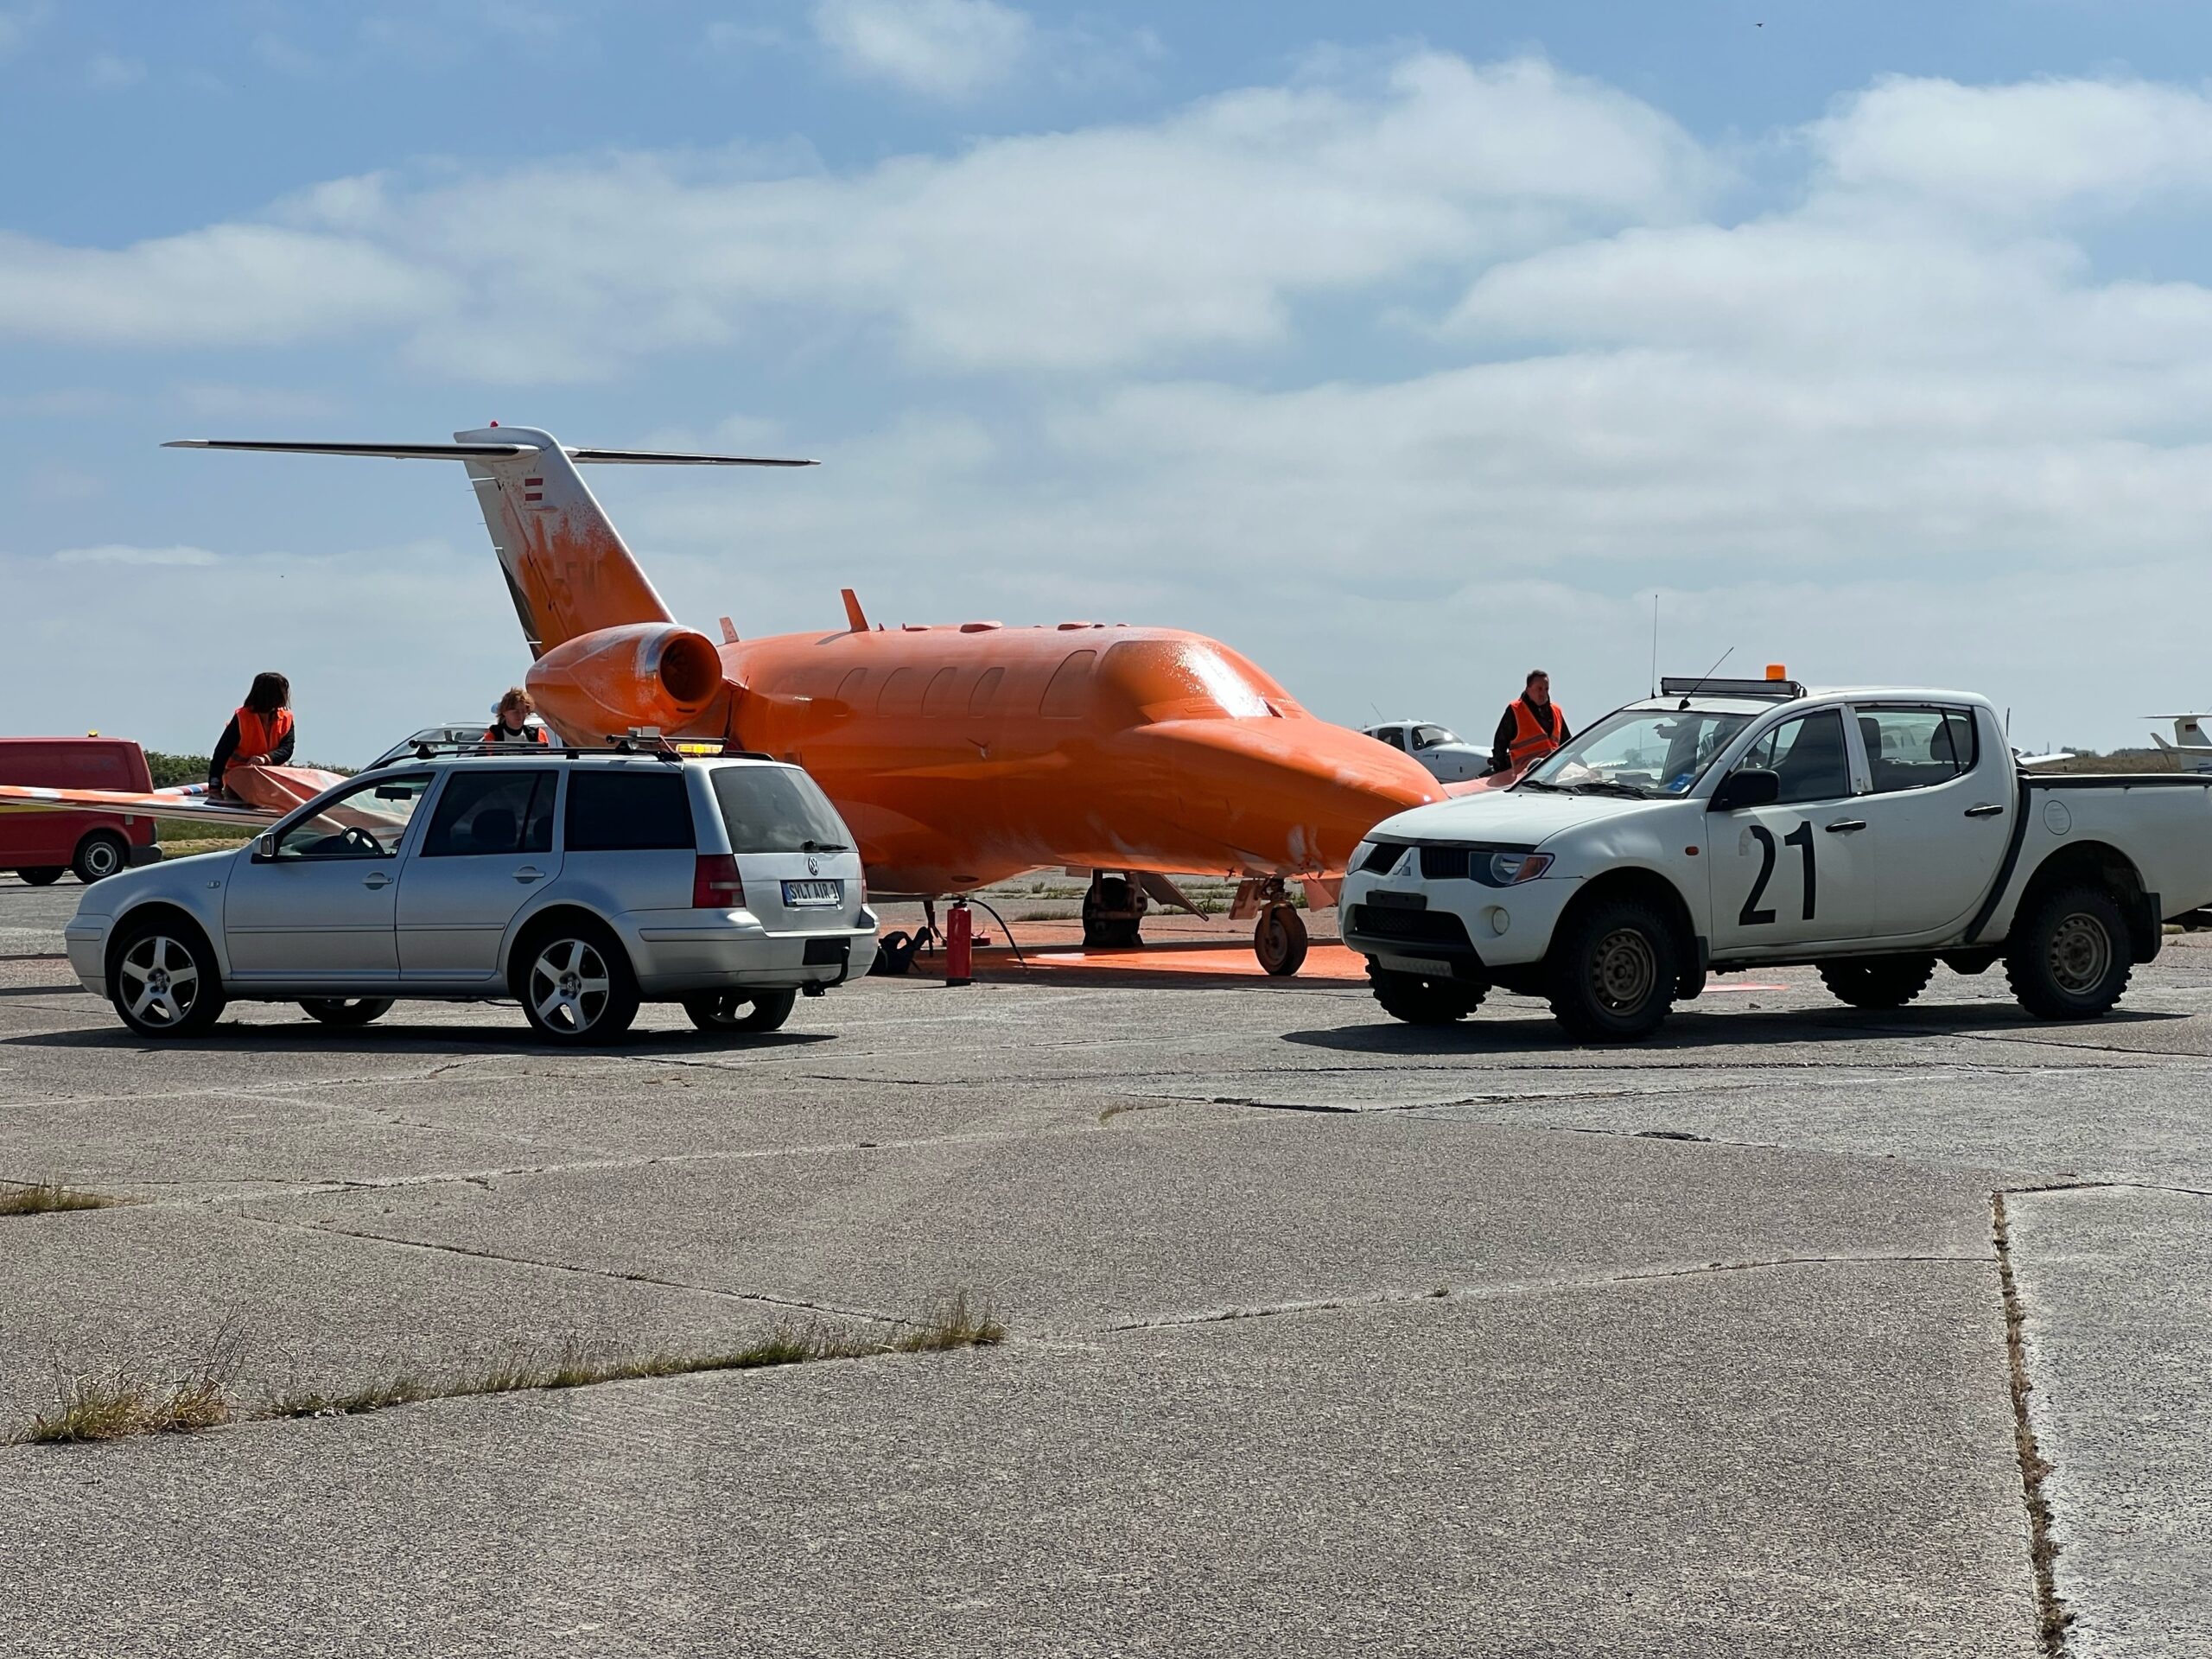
(1391, 735)
(1914, 748)
(849, 689)
(1069, 693)
(1427, 737)
(937, 699)
(987, 688)
(491, 812)
(1806, 753)
(902, 693)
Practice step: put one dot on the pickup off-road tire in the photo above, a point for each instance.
(1878, 981)
(2069, 959)
(574, 980)
(1419, 1001)
(347, 1010)
(1612, 972)
(755, 1011)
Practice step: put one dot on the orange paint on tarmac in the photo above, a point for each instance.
(1324, 962)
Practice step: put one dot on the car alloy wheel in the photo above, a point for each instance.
(568, 986)
(160, 981)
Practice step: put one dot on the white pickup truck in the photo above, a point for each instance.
(1740, 823)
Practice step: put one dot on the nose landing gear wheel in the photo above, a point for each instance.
(1279, 940)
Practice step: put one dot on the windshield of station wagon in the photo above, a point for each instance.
(1646, 753)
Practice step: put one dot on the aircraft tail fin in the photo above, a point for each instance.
(567, 567)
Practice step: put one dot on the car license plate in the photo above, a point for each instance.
(800, 894)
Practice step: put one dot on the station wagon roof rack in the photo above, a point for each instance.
(1764, 690)
(463, 741)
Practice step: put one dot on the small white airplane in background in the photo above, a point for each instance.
(2189, 744)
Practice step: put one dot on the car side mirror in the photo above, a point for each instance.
(264, 849)
(1751, 786)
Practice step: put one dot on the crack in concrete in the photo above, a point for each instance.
(615, 1275)
(2052, 1618)
(1447, 1293)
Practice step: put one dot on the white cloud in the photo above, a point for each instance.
(18, 24)
(949, 49)
(109, 73)
(229, 284)
(119, 553)
(2023, 149)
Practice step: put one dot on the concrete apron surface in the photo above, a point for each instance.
(1324, 1333)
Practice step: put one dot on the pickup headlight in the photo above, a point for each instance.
(1510, 869)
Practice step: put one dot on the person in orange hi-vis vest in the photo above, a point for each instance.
(259, 735)
(509, 724)
(1531, 727)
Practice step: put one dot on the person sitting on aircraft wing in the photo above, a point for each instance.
(511, 726)
(1531, 727)
(260, 734)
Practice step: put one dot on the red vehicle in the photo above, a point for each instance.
(40, 846)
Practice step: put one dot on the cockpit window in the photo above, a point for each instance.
(1191, 679)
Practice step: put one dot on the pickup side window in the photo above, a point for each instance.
(492, 812)
(1917, 748)
(1808, 755)
(626, 811)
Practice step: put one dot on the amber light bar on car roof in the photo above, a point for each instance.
(1772, 690)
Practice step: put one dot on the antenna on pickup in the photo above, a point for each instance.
(1655, 642)
(1707, 675)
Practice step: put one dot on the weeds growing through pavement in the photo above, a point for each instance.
(133, 1398)
(44, 1198)
(129, 1400)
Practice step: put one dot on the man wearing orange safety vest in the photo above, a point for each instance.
(260, 734)
(1531, 727)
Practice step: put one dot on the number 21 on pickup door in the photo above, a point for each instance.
(1802, 839)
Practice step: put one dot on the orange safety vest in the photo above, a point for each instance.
(258, 734)
(1530, 740)
(496, 732)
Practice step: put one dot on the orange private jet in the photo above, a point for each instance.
(959, 754)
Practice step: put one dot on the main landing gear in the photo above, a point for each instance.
(1117, 901)
(1114, 910)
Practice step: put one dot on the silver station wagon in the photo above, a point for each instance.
(578, 882)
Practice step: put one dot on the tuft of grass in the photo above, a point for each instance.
(45, 1197)
(131, 1399)
(954, 1322)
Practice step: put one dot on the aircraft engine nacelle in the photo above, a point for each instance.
(600, 685)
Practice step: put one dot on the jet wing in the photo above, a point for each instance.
(264, 795)
(192, 807)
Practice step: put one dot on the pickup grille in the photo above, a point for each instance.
(1383, 857)
(1444, 863)
(1439, 927)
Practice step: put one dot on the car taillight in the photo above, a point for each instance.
(715, 883)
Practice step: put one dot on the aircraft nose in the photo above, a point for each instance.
(1297, 794)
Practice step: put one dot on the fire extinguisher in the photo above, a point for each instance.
(959, 945)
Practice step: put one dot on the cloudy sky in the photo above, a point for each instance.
(1403, 346)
